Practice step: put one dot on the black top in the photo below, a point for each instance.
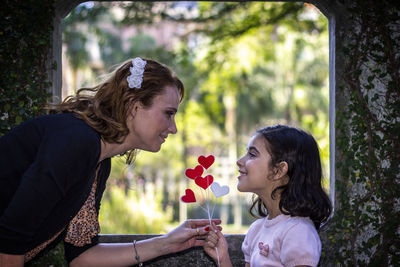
(47, 168)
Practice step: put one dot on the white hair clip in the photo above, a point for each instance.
(136, 78)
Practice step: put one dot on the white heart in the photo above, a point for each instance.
(218, 190)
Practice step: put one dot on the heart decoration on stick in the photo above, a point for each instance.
(193, 173)
(188, 197)
(204, 182)
(218, 190)
(206, 162)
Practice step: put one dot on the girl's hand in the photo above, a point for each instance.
(188, 234)
(215, 239)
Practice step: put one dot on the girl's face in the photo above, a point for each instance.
(150, 126)
(255, 168)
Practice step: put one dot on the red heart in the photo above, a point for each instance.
(206, 162)
(193, 173)
(204, 182)
(189, 196)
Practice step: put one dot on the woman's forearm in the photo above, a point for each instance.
(185, 236)
(122, 254)
(8, 260)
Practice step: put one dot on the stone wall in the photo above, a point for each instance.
(365, 230)
(191, 257)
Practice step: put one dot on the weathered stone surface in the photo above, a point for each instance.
(195, 257)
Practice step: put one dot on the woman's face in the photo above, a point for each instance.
(150, 126)
(255, 169)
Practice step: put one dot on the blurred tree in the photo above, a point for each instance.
(244, 65)
(76, 27)
(267, 60)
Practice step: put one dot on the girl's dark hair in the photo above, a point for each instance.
(303, 194)
(105, 107)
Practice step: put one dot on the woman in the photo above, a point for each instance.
(53, 169)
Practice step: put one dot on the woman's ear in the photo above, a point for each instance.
(281, 170)
(134, 107)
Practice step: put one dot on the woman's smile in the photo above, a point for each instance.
(163, 137)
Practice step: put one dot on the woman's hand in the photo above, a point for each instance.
(188, 234)
(183, 237)
(214, 241)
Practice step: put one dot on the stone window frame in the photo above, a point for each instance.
(329, 9)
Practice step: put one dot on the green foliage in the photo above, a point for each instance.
(240, 75)
(135, 210)
(238, 51)
(76, 52)
(272, 59)
(364, 230)
(24, 47)
(55, 257)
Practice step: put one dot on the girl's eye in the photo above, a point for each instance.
(251, 154)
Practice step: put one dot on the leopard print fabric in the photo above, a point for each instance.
(85, 225)
(82, 228)
(31, 254)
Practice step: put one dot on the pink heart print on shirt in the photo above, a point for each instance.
(264, 249)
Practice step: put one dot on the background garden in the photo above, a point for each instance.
(245, 65)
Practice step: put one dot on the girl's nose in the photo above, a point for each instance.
(239, 162)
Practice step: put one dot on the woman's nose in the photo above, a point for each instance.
(172, 128)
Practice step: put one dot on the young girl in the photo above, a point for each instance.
(283, 168)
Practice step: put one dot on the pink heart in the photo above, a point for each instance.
(193, 173)
(204, 182)
(206, 162)
(188, 197)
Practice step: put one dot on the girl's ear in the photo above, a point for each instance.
(281, 170)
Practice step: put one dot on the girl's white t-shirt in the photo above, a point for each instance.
(282, 241)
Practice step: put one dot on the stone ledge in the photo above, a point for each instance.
(194, 257)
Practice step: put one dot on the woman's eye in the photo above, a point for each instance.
(170, 113)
